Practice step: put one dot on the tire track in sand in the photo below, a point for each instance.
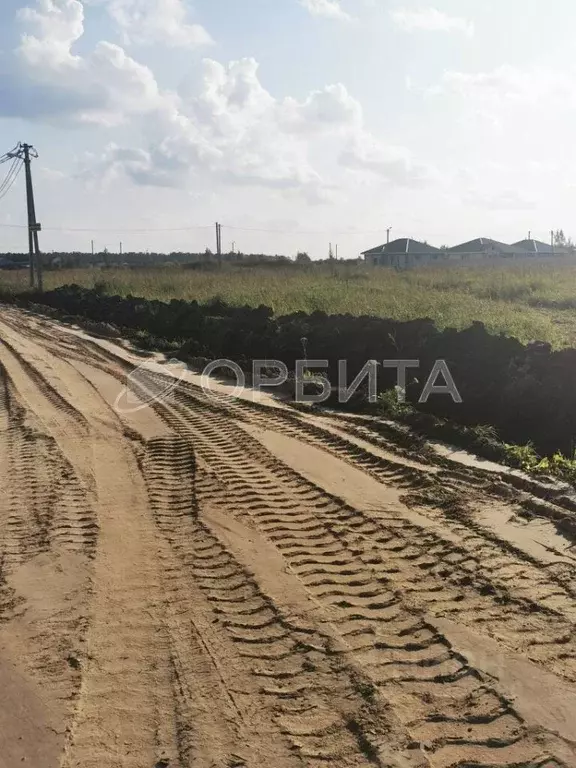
(413, 665)
(125, 710)
(140, 676)
(297, 681)
(392, 686)
(481, 584)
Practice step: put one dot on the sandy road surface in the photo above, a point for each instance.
(210, 582)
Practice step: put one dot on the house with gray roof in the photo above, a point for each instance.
(402, 253)
(485, 248)
(407, 252)
(537, 247)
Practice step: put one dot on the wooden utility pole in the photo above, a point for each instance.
(219, 242)
(26, 152)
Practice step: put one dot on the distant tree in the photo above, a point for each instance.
(561, 241)
(303, 258)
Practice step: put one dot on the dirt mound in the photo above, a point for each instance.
(528, 393)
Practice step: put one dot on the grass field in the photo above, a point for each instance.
(528, 301)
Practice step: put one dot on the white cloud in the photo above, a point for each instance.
(104, 86)
(157, 21)
(137, 164)
(331, 108)
(229, 131)
(239, 133)
(234, 130)
(506, 97)
(58, 24)
(365, 153)
(532, 87)
(492, 185)
(329, 9)
(53, 174)
(431, 20)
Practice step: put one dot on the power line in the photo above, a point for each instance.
(308, 232)
(121, 231)
(190, 229)
(9, 155)
(8, 176)
(210, 226)
(10, 179)
(149, 230)
(160, 230)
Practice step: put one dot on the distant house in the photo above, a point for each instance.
(406, 252)
(402, 253)
(538, 248)
(484, 248)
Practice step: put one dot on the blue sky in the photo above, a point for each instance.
(292, 122)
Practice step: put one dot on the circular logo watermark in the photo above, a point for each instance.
(149, 383)
(232, 373)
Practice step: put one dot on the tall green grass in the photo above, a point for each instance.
(530, 302)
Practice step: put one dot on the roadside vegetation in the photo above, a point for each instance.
(215, 309)
(482, 440)
(535, 301)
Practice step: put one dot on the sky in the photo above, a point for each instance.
(293, 123)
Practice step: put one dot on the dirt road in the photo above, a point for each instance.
(216, 583)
